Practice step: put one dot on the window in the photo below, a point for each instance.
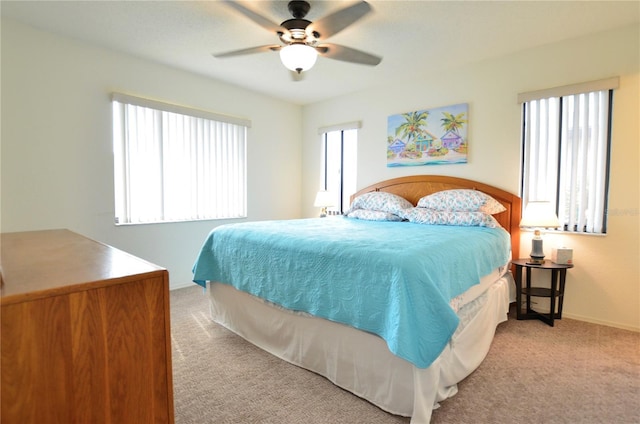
(339, 164)
(566, 144)
(176, 164)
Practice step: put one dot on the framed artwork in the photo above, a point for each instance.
(428, 137)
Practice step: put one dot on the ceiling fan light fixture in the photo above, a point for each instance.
(298, 57)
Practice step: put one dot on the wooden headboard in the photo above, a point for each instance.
(415, 187)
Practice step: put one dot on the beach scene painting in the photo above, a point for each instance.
(428, 137)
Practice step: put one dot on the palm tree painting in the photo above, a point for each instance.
(428, 137)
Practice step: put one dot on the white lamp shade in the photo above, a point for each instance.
(539, 215)
(324, 199)
(298, 57)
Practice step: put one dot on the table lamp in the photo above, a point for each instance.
(324, 199)
(538, 215)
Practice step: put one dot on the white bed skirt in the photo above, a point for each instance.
(360, 362)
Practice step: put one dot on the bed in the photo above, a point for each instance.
(361, 301)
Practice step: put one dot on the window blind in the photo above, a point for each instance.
(170, 166)
(566, 142)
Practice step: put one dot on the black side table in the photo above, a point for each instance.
(555, 291)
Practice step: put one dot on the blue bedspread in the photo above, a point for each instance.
(393, 279)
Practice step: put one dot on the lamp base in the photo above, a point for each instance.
(537, 252)
(535, 261)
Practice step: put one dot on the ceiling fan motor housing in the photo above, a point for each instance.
(298, 24)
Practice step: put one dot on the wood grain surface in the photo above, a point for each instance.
(85, 333)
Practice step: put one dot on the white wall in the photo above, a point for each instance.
(57, 165)
(56, 169)
(604, 286)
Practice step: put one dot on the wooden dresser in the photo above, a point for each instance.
(85, 333)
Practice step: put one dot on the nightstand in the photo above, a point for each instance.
(555, 291)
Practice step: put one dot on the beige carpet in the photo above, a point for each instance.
(573, 373)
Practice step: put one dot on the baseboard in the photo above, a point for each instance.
(601, 322)
(176, 286)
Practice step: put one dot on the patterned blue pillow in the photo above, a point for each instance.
(381, 201)
(370, 215)
(461, 200)
(464, 218)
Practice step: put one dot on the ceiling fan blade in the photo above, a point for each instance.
(256, 17)
(337, 21)
(250, 50)
(347, 54)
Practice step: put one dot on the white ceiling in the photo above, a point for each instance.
(413, 37)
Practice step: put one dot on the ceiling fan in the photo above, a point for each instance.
(303, 40)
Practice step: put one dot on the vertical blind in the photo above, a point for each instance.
(566, 143)
(171, 166)
(541, 141)
(585, 129)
